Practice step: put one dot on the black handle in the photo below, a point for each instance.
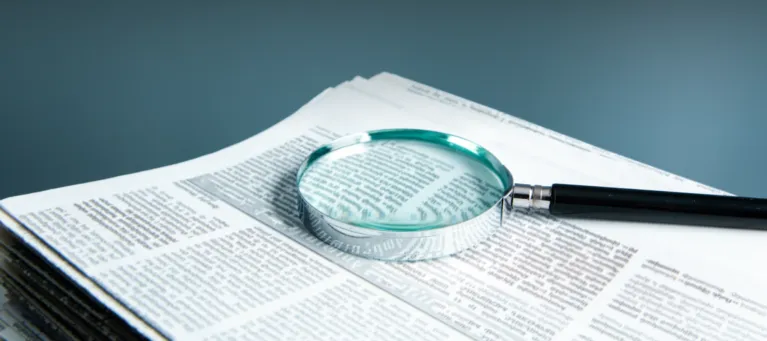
(605, 203)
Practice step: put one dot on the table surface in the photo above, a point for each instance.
(90, 92)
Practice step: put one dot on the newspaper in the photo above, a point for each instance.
(13, 326)
(211, 248)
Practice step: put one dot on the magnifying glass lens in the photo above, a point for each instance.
(403, 184)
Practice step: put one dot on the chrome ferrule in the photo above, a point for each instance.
(531, 196)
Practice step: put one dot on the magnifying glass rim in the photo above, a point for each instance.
(453, 142)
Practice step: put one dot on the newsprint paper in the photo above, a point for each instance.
(211, 248)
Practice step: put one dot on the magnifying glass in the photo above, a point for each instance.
(411, 194)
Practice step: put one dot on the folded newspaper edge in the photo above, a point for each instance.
(77, 280)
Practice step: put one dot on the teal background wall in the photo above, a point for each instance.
(94, 90)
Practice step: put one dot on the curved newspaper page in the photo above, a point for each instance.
(212, 249)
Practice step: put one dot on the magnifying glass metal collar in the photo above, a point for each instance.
(339, 191)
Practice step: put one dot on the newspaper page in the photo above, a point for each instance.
(713, 262)
(561, 159)
(212, 249)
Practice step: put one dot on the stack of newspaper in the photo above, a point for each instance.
(211, 248)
